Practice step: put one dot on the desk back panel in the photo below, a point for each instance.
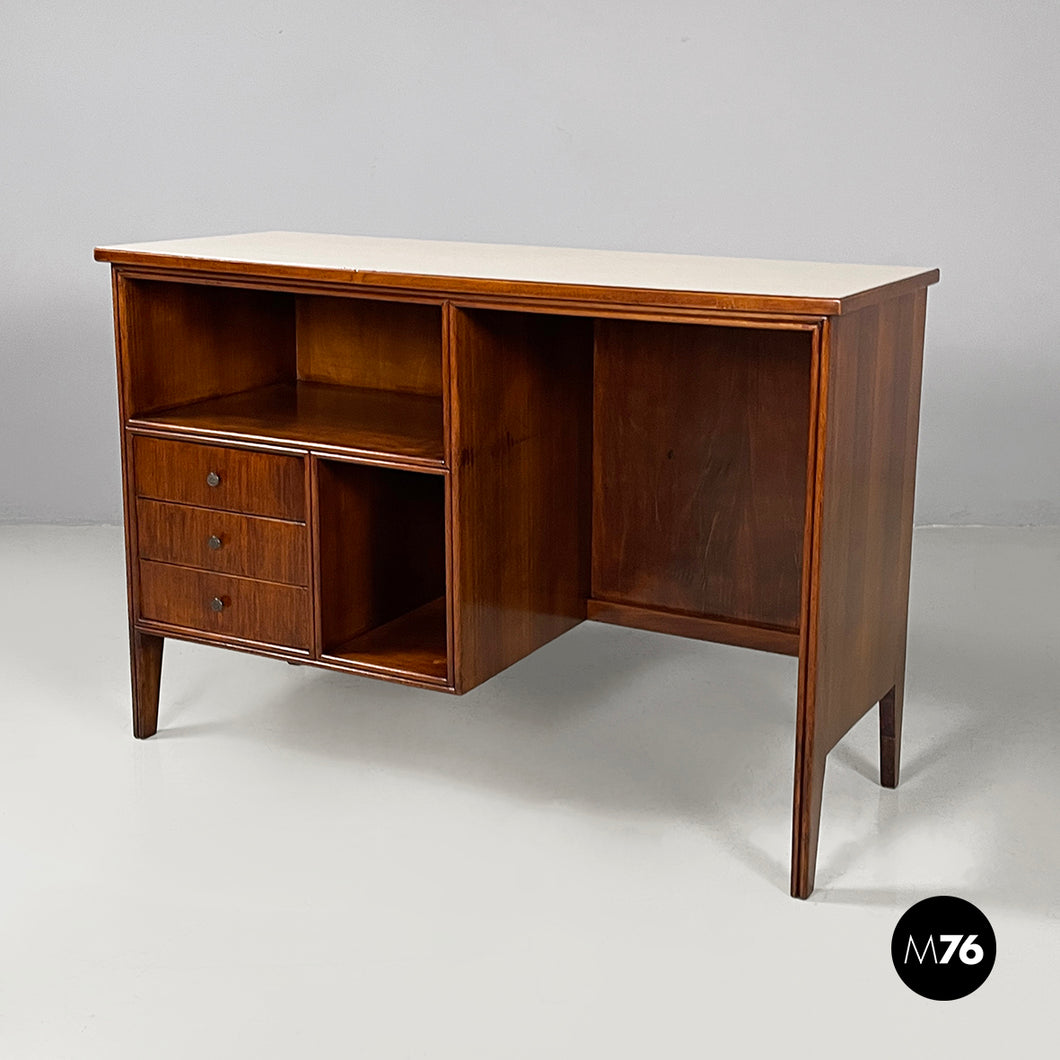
(700, 444)
(362, 342)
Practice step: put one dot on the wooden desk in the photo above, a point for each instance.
(422, 461)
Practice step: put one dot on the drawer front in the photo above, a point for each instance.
(226, 605)
(247, 545)
(215, 476)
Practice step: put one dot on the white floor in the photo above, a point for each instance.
(586, 857)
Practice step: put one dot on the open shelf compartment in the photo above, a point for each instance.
(345, 419)
(350, 375)
(700, 456)
(382, 541)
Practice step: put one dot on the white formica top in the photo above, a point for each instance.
(529, 264)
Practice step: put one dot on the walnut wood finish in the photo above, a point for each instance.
(699, 473)
(270, 484)
(252, 610)
(246, 545)
(854, 655)
(521, 443)
(373, 345)
(477, 462)
(378, 424)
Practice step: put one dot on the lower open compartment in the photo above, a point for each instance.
(382, 570)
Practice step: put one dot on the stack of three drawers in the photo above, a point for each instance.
(222, 542)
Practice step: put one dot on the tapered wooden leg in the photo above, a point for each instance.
(146, 654)
(890, 736)
(806, 825)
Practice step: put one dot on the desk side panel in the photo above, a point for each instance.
(853, 655)
(867, 474)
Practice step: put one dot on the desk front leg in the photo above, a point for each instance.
(146, 666)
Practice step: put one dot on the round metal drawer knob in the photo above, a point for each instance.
(213, 479)
(217, 604)
(213, 542)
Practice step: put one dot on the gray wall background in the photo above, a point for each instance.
(921, 133)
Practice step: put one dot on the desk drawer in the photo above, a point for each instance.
(215, 476)
(247, 545)
(226, 605)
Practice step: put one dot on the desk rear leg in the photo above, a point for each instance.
(891, 736)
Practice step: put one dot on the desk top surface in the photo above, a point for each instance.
(468, 266)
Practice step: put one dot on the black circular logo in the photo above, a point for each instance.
(943, 948)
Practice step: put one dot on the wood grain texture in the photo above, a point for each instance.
(382, 542)
(699, 474)
(256, 483)
(266, 612)
(521, 443)
(862, 538)
(742, 634)
(186, 342)
(398, 427)
(375, 345)
(247, 545)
